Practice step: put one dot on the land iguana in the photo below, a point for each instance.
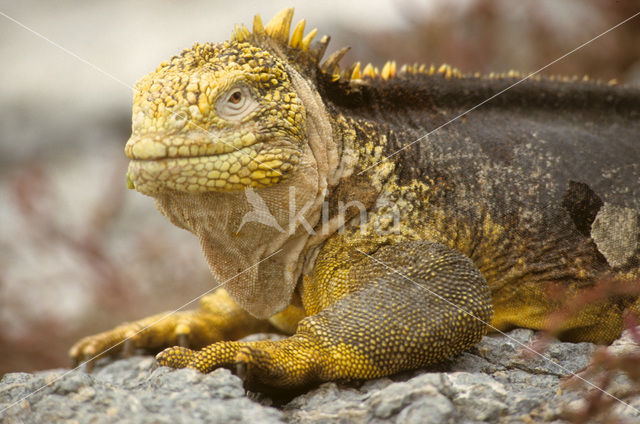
(372, 256)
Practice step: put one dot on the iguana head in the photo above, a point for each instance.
(220, 119)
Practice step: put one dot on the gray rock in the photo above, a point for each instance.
(479, 396)
(433, 409)
(616, 232)
(493, 383)
(132, 391)
(513, 351)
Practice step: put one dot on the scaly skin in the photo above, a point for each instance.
(373, 265)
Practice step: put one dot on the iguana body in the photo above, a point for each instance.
(503, 216)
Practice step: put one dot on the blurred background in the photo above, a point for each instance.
(78, 252)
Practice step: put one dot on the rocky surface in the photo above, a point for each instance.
(494, 383)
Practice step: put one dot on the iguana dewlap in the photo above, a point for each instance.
(376, 257)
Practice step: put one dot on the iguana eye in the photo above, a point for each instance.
(235, 97)
(236, 103)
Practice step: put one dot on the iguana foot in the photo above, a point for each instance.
(153, 333)
(219, 318)
(263, 365)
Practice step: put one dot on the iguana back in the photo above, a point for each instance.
(517, 183)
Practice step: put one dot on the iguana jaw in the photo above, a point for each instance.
(152, 169)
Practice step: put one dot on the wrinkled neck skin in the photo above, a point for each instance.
(259, 264)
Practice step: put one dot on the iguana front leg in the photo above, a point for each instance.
(415, 303)
(218, 318)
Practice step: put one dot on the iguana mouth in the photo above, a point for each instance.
(158, 147)
(249, 152)
(246, 167)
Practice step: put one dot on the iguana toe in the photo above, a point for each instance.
(177, 357)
